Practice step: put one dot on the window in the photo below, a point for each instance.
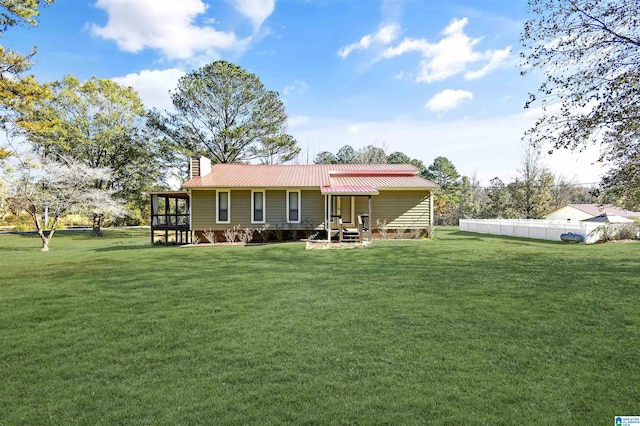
(223, 211)
(293, 206)
(257, 206)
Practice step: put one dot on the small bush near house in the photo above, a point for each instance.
(246, 235)
(230, 235)
(308, 228)
(264, 232)
(210, 236)
(382, 228)
(279, 232)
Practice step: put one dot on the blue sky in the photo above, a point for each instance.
(428, 78)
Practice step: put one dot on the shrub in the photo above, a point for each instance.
(382, 228)
(430, 232)
(308, 228)
(607, 233)
(230, 235)
(264, 232)
(246, 235)
(279, 233)
(416, 232)
(210, 236)
(628, 231)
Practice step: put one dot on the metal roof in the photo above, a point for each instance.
(608, 218)
(349, 190)
(365, 178)
(598, 209)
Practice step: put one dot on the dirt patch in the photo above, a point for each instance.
(325, 245)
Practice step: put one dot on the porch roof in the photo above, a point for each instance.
(349, 190)
(170, 194)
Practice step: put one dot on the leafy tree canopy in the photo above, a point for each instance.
(225, 113)
(443, 172)
(17, 91)
(61, 187)
(101, 124)
(325, 157)
(19, 12)
(347, 155)
(589, 52)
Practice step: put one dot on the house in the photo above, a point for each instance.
(346, 199)
(578, 212)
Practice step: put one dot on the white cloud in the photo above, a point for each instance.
(256, 10)
(447, 99)
(452, 55)
(383, 36)
(298, 86)
(297, 121)
(153, 86)
(167, 26)
(496, 59)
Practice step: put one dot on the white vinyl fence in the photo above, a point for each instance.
(541, 229)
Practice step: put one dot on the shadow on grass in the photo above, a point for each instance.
(127, 247)
(464, 235)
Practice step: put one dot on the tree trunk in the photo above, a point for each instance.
(97, 223)
(44, 236)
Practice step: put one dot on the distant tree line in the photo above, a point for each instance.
(535, 192)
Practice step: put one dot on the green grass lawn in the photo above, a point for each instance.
(464, 329)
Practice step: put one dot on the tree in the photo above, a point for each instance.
(225, 113)
(531, 191)
(561, 193)
(346, 155)
(20, 12)
(499, 200)
(17, 91)
(472, 198)
(402, 158)
(443, 172)
(325, 157)
(59, 188)
(101, 124)
(589, 51)
(397, 157)
(622, 182)
(371, 154)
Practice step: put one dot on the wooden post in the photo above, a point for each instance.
(329, 218)
(152, 213)
(370, 219)
(166, 220)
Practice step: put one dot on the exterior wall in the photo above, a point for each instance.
(568, 213)
(203, 209)
(312, 210)
(401, 209)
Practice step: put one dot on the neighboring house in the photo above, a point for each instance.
(298, 197)
(578, 212)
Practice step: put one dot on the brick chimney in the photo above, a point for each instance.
(199, 166)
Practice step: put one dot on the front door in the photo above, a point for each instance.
(344, 206)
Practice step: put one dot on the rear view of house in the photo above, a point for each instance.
(316, 197)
